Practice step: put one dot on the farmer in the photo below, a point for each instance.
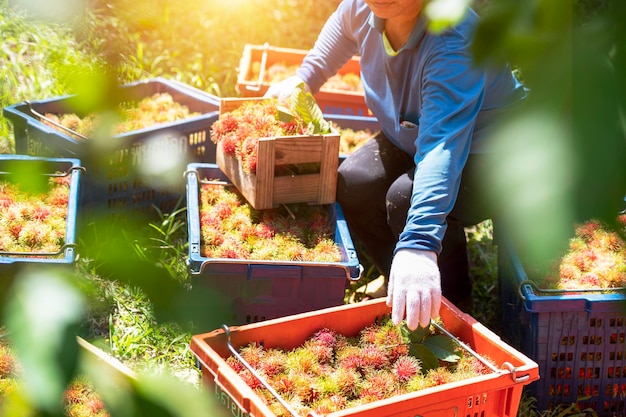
(408, 193)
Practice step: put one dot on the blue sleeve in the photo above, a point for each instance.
(452, 95)
(334, 46)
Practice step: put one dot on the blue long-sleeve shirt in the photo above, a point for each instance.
(430, 99)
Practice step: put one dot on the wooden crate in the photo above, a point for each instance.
(330, 100)
(264, 190)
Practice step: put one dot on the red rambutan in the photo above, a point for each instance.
(406, 367)
(374, 356)
(7, 362)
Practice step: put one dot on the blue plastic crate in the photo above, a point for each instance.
(115, 187)
(578, 339)
(260, 290)
(64, 166)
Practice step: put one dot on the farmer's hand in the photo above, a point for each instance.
(282, 90)
(414, 287)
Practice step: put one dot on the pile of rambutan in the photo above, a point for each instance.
(34, 222)
(595, 259)
(238, 131)
(79, 398)
(156, 109)
(330, 372)
(231, 228)
(352, 139)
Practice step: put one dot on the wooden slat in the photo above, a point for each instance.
(264, 195)
(296, 189)
(328, 170)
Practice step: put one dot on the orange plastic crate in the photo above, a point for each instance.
(331, 101)
(496, 394)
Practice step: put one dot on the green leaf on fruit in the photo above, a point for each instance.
(427, 358)
(306, 106)
(442, 347)
(284, 114)
(414, 336)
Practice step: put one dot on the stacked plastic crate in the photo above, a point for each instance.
(118, 185)
(577, 336)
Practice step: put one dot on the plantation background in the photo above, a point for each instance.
(568, 153)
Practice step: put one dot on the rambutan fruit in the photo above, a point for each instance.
(416, 383)
(74, 394)
(8, 363)
(374, 356)
(253, 354)
(406, 367)
(346, 380)
(326, 337)
(94, 404)
(470, 366)
(327, 405)
(308, 394)
(588, 229)
(40, 213)
(58, 196)
(250, 379)
(323, 353)
(377, 386)
(235, 363)
(438, 376)
(303, 360)
(273, 362)
(349, 357)
(325, 250)
(264, 231)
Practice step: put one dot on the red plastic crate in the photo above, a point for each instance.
(331, 101)
(496, 394)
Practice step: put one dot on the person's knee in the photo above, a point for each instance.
(398, 201)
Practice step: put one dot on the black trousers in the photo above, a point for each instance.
(374, 189)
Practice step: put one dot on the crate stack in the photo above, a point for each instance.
(116, 188)
(108, 181)
(576, 337)
(267, 289)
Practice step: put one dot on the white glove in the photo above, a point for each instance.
(414, 287)
(282, 90)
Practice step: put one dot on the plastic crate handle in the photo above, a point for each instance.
(509, 366)
(548, 291)
(267, 386)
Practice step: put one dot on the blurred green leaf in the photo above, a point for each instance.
(443, 14)
(43, 314)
